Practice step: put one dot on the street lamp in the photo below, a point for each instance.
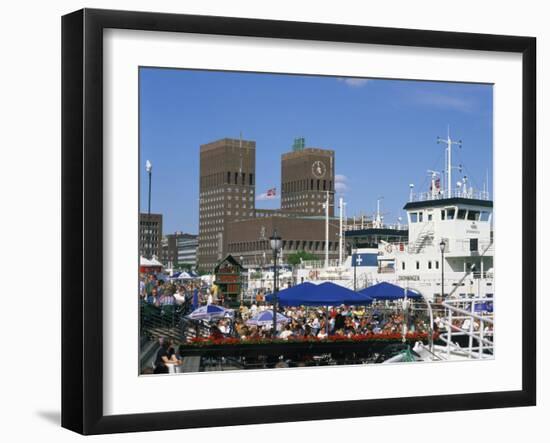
(149, 169)
(354, 256)
(442, 245)
(242, 285)
(275, 242)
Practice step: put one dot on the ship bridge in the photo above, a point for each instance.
(463, 224)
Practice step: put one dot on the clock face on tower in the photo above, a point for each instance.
(318, 169)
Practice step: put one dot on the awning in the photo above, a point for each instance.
(388, 291)
(325, 294)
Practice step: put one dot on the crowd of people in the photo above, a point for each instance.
(378, 318)
(301, 322)
(314, 322)
(157, 292)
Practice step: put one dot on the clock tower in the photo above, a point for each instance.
(307, 174)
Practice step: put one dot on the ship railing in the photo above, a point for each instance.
(442, 194)
(359, 226)
(454, 246)
(468, 332)
(317, 264)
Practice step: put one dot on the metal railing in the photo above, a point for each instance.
(457, 193)
(317, 264)
(169, 322)
(454, 246)
(358, 226)
(468, 327)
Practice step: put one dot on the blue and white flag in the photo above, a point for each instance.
(364, 259)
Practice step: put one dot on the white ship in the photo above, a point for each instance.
(445, 253)
(447, 250)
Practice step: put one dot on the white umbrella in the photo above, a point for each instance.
(210, 312)
(266, 318)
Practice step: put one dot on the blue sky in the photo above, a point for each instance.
(383, 132)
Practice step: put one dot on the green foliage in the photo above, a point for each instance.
(294, 259)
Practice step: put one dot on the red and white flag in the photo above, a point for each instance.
(271, 193)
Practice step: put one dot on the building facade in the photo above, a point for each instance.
(307, 175)
(229, 222)
(179, 249)
(226, 193)
(150, 235)
(187, 245)
(249, 239)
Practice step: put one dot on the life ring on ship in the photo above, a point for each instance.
(388, 248)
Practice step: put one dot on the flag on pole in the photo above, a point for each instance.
(271, 192)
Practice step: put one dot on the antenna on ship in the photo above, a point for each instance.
(449, 142)
(378, 219)
(487, 185)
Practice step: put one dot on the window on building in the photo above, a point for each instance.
(461, 215)
(430, 217)
(420, 216)
(417, 265)
(403, 265)
(414, 217)
(236, 178)
(437, 264)
(450, 214)
(251, 179)
(429, 265)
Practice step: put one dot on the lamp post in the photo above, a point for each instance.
(354, 264)
(442, 245)
(242, 285)
(275, 242)
(149, 169)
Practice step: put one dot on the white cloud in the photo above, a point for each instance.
(341, 188)
(264, 196)
(444, 101)
(354, 82)
(341, 183)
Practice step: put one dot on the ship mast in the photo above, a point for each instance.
(449, 142)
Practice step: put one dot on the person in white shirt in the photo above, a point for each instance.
(223, 327)
(286, 333)
(179, 296)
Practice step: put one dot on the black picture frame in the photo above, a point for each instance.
(82, 190)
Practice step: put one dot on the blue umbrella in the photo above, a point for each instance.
(266, 318)
(388, 291)
(210, 312)
(325, 294)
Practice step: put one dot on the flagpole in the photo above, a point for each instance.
(326, 230)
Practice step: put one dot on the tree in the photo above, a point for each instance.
(298, 257)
